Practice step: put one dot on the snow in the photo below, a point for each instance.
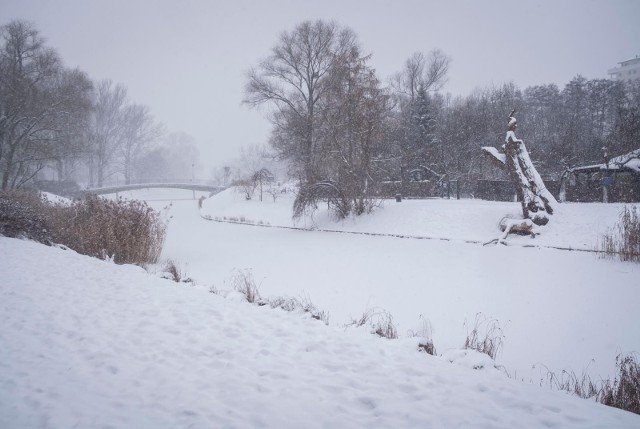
(553, 315)
(86, 343)
(495, 153)
(512, 136)
(629, 161)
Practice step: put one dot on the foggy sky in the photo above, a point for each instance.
(187, 59)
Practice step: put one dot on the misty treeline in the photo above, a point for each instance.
(344, 132)
(56, 119)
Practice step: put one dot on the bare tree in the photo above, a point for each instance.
(41, 104)
(354, 111)
(138, 130)
(428, 72)
(293, 80)
(106, 129)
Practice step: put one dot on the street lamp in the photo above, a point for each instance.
(193, 166)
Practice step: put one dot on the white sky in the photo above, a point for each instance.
(187, 59)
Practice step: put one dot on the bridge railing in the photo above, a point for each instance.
(135, 186)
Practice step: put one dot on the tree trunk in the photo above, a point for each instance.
(537, 201)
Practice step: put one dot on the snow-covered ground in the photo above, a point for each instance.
(85, 343)
(560, 310)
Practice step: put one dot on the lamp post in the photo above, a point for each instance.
(193, 166)
(605, 176)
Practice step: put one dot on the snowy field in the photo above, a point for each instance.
(86, 343)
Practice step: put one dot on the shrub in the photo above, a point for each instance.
(380, 323)
(128, 232)
(362, 321)
(624, 393)
(384, 326)
(582, 386)
(488, 342)
(623, 241)
(21, 216)
(426, 337)
(242, 281)
(247, 187)
(306, 306)
(172, 271)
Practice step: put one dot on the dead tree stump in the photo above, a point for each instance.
(537, 201)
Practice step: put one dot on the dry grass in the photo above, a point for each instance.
(623, 392)
(380, 323)
(426, 337)
(175, 272)
(127, 232)
(623, 241)
(305, 305)
(384, 327)
(485, 337)
(242, 281)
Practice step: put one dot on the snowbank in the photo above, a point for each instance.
(89, 344)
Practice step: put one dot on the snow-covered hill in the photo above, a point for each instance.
(88, 344)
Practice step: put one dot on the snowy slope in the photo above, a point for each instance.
(90, 344)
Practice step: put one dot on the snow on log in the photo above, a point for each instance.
(495, 155)
(537, 202)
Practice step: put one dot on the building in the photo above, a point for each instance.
(628, 70)
(616, 180)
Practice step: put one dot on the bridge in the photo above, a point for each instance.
(132, 187)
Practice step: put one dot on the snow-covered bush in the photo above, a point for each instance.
(623, 241)
(305, 306)
(21, 217)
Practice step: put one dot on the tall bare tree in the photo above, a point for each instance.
(428, 72)
(42, 105)
(355, 113)
(293, 81)
(138, 130)
(106, 129)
